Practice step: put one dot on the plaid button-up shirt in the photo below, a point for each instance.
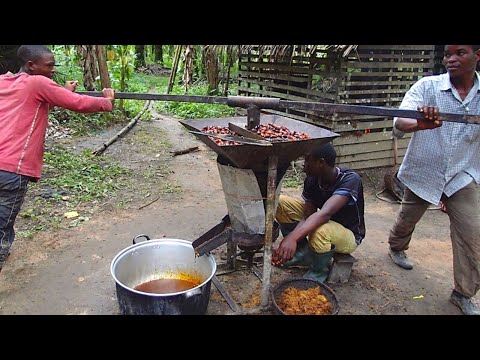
(445, 159)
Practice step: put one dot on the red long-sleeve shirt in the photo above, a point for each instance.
(24, 105)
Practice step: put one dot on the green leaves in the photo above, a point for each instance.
(195, 110)
(83, 176)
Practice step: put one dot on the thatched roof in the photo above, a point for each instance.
(282, 50)
(344, 49)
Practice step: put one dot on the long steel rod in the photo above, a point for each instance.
(276, 104)
(162, 97)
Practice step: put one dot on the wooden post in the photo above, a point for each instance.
(269, 218)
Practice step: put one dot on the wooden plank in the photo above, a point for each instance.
(373, 100)
(393, 73)
(273, 75)
(379, 83)
(387, 153)
(364, 138)
(273, 65)
(364, 148)
(386, 65)
(374, 92)
(294, 88)
(280, 67)
(272, 94)
(359, 125)
(369, 164)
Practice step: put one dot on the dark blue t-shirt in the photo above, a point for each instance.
(349, 184)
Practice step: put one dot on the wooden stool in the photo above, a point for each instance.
(341, 268)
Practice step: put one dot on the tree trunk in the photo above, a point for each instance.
(211, 69)
(158, 53)
(102, 66)
(188, 66)
(229, 65)
(173, 73)
(140, 56)
(88, 62)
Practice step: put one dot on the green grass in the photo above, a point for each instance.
(82, 179)
(143, 83)
(85, 177)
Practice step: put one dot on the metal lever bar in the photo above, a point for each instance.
(277, 104)
(374, 110)
(161, 97)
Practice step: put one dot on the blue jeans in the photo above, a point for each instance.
(13, 188)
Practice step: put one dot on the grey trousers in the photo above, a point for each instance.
(464, 213)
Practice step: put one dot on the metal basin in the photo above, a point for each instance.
(161, 259)
(256, 157)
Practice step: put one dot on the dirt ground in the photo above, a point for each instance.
(68, 271)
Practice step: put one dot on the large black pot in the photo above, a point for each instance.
(161, 259)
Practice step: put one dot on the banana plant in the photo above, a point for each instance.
(122, 65)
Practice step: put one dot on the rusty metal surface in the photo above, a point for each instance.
(246, 101)
(238, 139)
(222, 233)
(253, 116)
(216, 230)
(218, 240)
(255, 157)
(244, 132)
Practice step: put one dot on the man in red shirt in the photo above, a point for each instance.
(25, 99)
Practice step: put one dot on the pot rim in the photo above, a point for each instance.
(153, 241)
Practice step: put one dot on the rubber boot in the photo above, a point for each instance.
(300, 258)
(319, 265)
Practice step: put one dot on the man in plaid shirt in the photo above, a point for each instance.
(442, 164)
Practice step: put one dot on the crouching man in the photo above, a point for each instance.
(329, 219)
